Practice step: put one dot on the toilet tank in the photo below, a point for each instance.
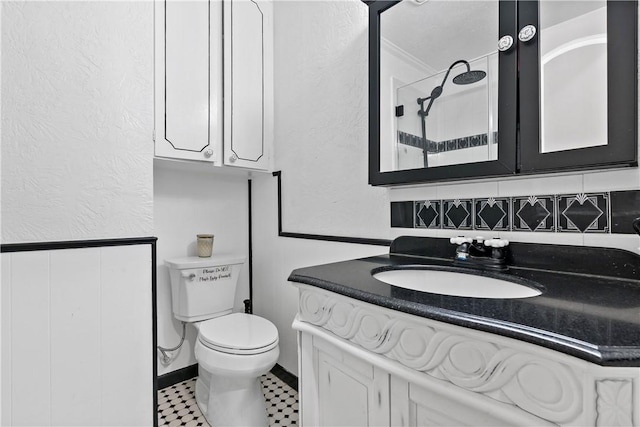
(203, 288)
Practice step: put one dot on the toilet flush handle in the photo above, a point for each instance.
(189, 276)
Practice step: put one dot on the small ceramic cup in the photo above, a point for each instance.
(205, 245)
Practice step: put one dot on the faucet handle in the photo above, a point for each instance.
(460, 240)
(496, 243)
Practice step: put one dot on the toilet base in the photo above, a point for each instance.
(233, 401)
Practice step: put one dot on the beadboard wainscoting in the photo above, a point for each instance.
(77, 333)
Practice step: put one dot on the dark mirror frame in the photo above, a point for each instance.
(518, 144)
(507, 111)
(622, 97)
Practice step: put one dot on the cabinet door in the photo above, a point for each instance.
(351, 392)
(578, 78)
(441, 404)
(248, 83)
(442, 101)
(188, 76)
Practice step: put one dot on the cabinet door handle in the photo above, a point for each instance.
(208, 153)
(527, 33)
(505, 43)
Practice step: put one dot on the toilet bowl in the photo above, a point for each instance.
(233, 351)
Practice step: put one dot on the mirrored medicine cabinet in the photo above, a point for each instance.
(463, 89)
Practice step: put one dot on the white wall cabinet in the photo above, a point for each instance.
(248, 83)
(214, 82)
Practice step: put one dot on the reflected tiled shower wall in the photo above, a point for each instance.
(448, 145)
(604, 212)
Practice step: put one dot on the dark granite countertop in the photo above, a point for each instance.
(590, 309)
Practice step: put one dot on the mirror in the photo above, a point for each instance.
(578, 85)
(438, 84)
(573, 74)
(463, 89)
(442, 99)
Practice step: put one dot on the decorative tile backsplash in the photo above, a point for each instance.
(533, 213)
(457, 214)
(605, 212)
(583, 213)
(492, 214)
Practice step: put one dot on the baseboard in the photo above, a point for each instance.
(177, 376)
(188, 372)
(286, 376)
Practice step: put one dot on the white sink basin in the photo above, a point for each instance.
(456, 284)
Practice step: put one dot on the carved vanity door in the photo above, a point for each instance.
(442, 404)
(351, 392)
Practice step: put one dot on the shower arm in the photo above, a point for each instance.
(437, 91)
(459, 61)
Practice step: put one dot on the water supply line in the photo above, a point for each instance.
(167, 358)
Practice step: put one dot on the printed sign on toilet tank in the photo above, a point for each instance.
(214, 274)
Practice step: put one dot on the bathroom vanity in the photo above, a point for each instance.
(371, 353)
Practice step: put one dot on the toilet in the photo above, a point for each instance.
(232, 349)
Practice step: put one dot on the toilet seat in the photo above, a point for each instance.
(238, 333)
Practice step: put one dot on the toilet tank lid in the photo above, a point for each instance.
(198, 262)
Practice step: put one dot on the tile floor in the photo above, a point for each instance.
(177, 405)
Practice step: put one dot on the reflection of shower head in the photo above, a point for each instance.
(469, 77)
(466, 78)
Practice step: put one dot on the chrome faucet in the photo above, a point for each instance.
(480, 252)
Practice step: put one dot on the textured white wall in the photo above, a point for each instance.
(190, 198)
(76, 163)
(77, 120)
(321, 148)
(275, 258)
(321, 110)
